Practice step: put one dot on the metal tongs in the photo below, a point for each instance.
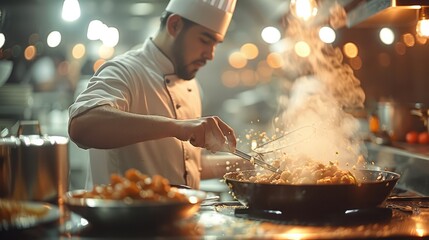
(252, 159)
(257, 160)
(293, 137)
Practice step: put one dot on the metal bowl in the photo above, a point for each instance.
(136, 212)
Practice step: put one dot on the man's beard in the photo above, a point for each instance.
(179, 57)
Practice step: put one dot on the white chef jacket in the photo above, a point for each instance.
(143, 81)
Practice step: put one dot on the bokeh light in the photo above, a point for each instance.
(400, 48)
(250, 50)
(387, 36)
(30, 52)
(408, 39)
(270, 34)
(304, 9)
(2, 40)
(53, 39)
(327, 35)
(356, 63)
(421, 40)
(275, 60)
(350, 50)
(302, 49)
(106, 52)
(78, 51)
(110, 37)
(98, 63)
(237, 60)
(422, 28)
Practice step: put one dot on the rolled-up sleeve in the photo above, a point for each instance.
(107, 87)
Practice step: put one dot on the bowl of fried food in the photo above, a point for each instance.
(134, 199)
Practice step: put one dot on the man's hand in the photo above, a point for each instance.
(208, 132)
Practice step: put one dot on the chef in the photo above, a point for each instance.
(142, 109)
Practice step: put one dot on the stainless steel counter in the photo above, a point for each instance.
(411, 161)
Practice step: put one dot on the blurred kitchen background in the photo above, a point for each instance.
(46, 58)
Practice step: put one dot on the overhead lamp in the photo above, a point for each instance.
(304, 9)
(71, 10)
(422, 27)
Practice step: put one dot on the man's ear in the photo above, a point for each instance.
(174, 24)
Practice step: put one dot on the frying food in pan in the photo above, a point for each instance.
(311, 172)
(372, 189)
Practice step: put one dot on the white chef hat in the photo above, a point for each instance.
(212, 14)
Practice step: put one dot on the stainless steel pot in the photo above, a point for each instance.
(396, 119)
(33, 166)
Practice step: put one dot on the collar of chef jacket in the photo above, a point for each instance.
(163, 62)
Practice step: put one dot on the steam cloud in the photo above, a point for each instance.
(324, 88)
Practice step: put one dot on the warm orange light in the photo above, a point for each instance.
(275, 60)
(78, 51)
(408, 39)
(421, 40)
(30, 52)
(400, 48)
(237, 60)
(106, 52)
(356, 63)
(350, 50)
(422, 27)
(98, 64)
(250, 50)
(302, 49)
(304, 9)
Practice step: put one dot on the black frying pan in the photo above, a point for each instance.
(373, 189)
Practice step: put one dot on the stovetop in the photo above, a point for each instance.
(343, 218)
(405, 215)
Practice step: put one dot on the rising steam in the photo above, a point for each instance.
(323, 89)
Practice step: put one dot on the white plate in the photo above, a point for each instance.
(51, 214)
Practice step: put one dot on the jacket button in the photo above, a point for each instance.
(189, 89)
(178, 106)
(167, 81)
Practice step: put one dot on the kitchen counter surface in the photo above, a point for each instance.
(411, 161)
(402, 148)
(397, 219)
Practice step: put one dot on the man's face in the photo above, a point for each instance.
(192, 48)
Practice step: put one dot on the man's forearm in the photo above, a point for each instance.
(106, 127)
